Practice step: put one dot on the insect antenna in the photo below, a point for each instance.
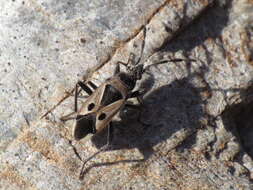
(167, 61)
(142, 45)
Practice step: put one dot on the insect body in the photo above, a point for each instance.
(105, 101)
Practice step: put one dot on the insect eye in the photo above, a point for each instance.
(102, 116)
(91, 106)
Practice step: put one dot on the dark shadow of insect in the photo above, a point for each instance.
(168, 109)
(238, 119)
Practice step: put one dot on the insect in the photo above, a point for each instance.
(106, 100)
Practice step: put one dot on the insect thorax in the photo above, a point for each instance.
(111, 95)
(128, 80)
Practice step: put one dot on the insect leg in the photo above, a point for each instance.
(109, 134)
(79, 83)
(94, 130)
(104, 148)
(76, 94)
(88, 159)
(73, 114)
(124, 64)
(93, 86)
(69, 116)
(117, 69)
(131, 58)
(137, 94)
(84, 87)
(136, 107)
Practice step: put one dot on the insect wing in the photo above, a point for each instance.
(110, 103)
(86, 116)
(92, 104)
(84, 125)
(111, 94)
(98, 110)
(105, 115)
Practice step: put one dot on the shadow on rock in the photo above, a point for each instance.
(169, 109)
(201, 29)
(238, 119)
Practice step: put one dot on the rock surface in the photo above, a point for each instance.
(196, 125)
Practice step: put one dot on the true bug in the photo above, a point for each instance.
(106, 100)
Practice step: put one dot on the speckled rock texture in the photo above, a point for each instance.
(195, 131)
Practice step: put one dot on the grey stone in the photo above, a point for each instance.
(197, 132)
